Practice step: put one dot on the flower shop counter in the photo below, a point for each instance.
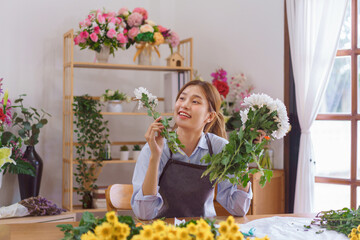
(49, 231)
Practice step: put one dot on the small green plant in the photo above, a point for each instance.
(92, 134)
(110, 95)
(30, 122)
(124, 148)
(136, 147)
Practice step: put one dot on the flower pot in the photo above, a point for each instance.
(114, 106)
(124, 155)
(87, 200)
(29, 185)
(135, 155)
(103, 55)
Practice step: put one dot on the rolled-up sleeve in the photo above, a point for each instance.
(144, 207)
(235, 201)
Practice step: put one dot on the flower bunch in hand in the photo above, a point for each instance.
(262, 120)
(150, 101)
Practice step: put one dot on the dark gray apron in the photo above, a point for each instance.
(183, 190)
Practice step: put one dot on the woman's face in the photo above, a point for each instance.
(192, 109)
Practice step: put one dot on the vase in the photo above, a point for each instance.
(114, 106)
(87, 200)
(146, 57)
(124, 155)
(29, 185)
(136, 155)
(103, 55)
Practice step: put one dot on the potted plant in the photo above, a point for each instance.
(136, 151)
(29, 122)
(124, 152)
(11, 159)
(114, 100)
(92, 135)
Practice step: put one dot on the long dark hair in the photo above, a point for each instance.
(217, 125)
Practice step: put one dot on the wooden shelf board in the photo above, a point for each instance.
(113, 161)
(116, 143)
(78, 209)
(133, 113)
(129, 67)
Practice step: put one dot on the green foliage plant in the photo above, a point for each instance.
(30, 122)
(124, 148)
(89, 222)
(136, 147)
(342, 221)
(92, 134)
(110, 95)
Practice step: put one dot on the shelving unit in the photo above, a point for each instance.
(69, 66)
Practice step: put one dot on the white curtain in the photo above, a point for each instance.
(314, 29)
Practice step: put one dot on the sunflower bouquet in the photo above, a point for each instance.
(262, 120)
(123, 227)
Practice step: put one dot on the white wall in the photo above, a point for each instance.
(238, 35)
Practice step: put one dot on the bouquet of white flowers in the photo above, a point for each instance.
(262, 120)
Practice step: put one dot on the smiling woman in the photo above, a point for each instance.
(169, 184)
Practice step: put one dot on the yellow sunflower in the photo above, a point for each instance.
(234, 228)
(89, 236)
(111, 217)
(224, 228)
(191, 227)
(159, 226)
(104, 231)
(230, 220)
(183, 234)
(147, 232)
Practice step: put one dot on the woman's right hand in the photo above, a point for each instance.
(154, 138)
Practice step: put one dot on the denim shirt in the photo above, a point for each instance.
(235, 201)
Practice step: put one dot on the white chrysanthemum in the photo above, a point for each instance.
(244, 116)
(139, 91)
(110, 93)
(258, 100)
(282, 119)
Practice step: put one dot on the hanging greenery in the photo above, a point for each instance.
(92, 134)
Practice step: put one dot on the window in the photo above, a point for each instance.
(335, 131)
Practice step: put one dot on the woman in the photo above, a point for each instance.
(170, 185)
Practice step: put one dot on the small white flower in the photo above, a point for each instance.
(282, 119)
(150, 22)
(244, 116)
(111, 25)
(126, 13)
(102, 99)
(128, 99)
(258, 100)
(139, 91)
(110, 93)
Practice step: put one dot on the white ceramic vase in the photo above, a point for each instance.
(103, 55)
(135, 155)
(114, 106)
(124, 155)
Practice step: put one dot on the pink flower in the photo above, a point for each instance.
(94, 37)
(97, 30)
(135, 19)
(77, 39)
(101, 19)
(84, 35)
(111, 14)
(87, 22)
(125, 31)
(174, 39)
(121, 38)
(123, 11)
(82, 24)
(142, 11)
(161, 28)
(133, 32)
(91, 17)
(111, 20)
(111, 33)
(118, 20)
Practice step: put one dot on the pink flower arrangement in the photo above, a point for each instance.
(121, 30)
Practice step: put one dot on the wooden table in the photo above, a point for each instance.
(49, 231)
